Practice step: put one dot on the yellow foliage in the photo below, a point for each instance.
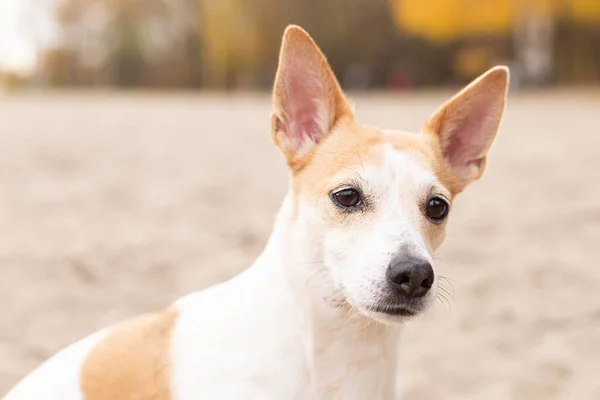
(230, 37)
(586, 11)
(470, 61)
(447, 19)
(444, 20)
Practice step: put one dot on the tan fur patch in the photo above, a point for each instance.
(132, 362)
(351, 145)
(425, 148)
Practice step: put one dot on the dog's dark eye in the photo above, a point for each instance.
(437, 209)
(347, 198)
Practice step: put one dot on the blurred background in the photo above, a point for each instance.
(231, 44)
(136, 166)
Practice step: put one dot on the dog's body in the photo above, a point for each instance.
(261, 343)
(350, 255)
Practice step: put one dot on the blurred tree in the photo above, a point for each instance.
(446, 20)
(583, 11)
(11, 81)
(122, 41)
(370, 43)
(229, 36)
(531, 23)
(61, 68)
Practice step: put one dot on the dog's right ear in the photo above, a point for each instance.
(466, 125)
(307, 98)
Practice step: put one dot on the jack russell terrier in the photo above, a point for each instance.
(317, 316)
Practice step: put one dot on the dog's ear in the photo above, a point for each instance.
(466, 125)
(307, 98)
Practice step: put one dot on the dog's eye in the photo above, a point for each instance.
(347, 198)
(437, 209)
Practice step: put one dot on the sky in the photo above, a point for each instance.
(25, 27)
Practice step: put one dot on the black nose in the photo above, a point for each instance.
(411, 278)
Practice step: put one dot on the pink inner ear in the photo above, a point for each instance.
(463, 143)
(304, 122)
(304, 101)
(305, 110)
(468, 134)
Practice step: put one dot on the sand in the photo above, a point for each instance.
(113, 205)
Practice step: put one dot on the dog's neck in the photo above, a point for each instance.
(339, 342)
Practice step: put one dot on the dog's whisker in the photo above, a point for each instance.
(445, 299)
(448, 293)
(438, 298)
(449, 281)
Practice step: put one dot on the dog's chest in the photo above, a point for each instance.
(279, 364)
(355, 370)
(247, 345)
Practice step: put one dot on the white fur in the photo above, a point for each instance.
(262, 335)
(273, 332)
(283, 329)
(359, 256)
(57, 378)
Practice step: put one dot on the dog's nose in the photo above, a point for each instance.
(411, 278)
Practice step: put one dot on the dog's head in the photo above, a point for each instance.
(373, 204)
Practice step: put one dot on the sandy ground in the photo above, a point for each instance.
(113, 205)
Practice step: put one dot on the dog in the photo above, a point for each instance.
(350, 258)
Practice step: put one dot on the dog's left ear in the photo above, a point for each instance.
(307, 98)
(466, 125)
